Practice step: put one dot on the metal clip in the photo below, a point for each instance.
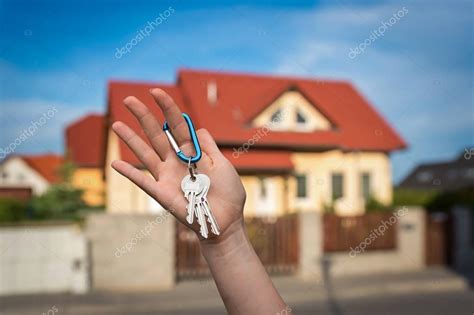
(197, 148)
(192, 170)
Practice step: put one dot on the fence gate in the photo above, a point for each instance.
(438, 239)
(376, 230)
(275, 241)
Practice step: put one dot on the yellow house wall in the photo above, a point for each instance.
(122, 195)
(275, 193)
(319, 167)
(90, 180)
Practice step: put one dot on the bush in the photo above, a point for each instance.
(60, 201)
(434, 200)
(373, 205)
(411, 197)
(447, 200)
(12, 210)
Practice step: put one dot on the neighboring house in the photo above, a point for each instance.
(36, 172)
(84, 147)
(443, 176)
(298, 144)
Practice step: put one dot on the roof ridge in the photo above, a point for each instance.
(256, 75)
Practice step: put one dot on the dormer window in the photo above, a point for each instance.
(300, 118)
(276, 117)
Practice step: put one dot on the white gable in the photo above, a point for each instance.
(292, 112)
(15, 172)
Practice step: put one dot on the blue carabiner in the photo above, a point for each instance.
(194, 139)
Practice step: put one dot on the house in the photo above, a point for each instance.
(35, 172)
(84, 147)
(443, 176)
(299, 144)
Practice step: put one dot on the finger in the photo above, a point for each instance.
(143, 152)
(150, 125)
(208, 144)
(139, 178)
(173, 115)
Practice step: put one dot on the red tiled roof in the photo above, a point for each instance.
(47, 165)
(241, 97)
(260, 160)
(85, 140)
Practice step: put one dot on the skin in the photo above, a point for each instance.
(240, 277)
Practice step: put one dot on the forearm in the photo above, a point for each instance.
(241, 279)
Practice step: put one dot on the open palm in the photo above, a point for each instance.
(226, 195)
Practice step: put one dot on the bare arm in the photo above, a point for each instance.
(237, 271)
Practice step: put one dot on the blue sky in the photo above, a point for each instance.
(418, 74)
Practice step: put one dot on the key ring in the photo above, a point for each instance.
(197, 148)
(191, 168)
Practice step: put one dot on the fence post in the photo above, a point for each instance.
(462, 226)
(411, 236)
(310, 244)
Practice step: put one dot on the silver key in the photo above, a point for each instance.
(191, 190)
(201, 219)
(204, 204)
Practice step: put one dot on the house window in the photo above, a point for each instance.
(276, 117)
(337, 186)
(300, 118)
(365, 185)
(301, 189)
(4, 175)
(263, 187)
(424, 176)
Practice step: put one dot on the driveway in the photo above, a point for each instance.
(434, 291)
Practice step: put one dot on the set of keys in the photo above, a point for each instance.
(195, 186)
(198, 207)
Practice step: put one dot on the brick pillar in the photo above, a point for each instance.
(411, 236)
(310, 244)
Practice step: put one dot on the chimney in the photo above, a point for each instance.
(212, 92)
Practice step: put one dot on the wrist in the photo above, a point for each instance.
(231, 240)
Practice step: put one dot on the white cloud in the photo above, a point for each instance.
(18, 115)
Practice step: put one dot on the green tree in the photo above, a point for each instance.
(62, 200)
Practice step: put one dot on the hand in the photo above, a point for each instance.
(226, 194)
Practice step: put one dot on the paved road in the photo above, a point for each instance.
(430, 292)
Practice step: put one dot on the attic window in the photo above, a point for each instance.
(300, 118)
(276, 117)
